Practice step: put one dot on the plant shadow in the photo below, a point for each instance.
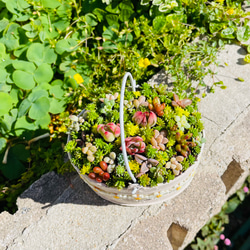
(52, 189)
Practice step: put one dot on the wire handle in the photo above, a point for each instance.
(124, 152)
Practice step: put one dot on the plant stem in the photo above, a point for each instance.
(38, 138)
(6, 155)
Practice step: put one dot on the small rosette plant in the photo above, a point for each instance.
(163, 137)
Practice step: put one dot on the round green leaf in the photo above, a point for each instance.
(15, 95)
(228, 33)
(65, 45)
(35, 53)
(243, 33)
(44, 86)
(56, 106)
(39, 108)
(43, 73)
(49, 55)
(23, 125)
(57, 82)
(24, 107)
(43, 122)
(9, 120)
(24, 65)
(23, 80)
(6, 103)
(57, 91)
(3, 24)
(3, 75)
(37, 93)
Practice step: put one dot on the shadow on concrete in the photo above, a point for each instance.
(52, 189)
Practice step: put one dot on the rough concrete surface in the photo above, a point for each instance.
(56, 214)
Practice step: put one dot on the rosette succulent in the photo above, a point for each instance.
(145, 119)
(109, 131)
(135, 145)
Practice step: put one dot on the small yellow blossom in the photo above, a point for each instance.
(198, 63)
(85, 170)
(134, 166)
(171, 142)
(180, 132)
(220, 1)
(78, 78)
(180, 111)
(118, 141)
(168, 111)
(230, 11)
(131, 129)
(94, 128)
(63, 128)
(118, 98)
(144, 63)
(137, 94)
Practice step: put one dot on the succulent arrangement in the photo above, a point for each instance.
(163, 137)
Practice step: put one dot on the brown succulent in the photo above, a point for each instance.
(157, 106)
(175, 164)
(141, 101)
(145, 163)
(181, 103)
(159, 140)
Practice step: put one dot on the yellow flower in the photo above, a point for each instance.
(220, 1)
(198, 63)
(180, 111)
(144, 63)
(118, 141)
(168, 111)
(171, 142)
(137, 94)
(131, 129)
(230, 11)
(118, 98)
(180, 132)
(85, 170)
(63, 128)
(78, 78)
(94, 128)
(134, 166)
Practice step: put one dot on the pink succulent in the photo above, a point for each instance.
(246, 189)
(227, 242)
(145, 118)
(222, 237)
(109, 132)
(134, 145)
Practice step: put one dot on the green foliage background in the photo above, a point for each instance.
(45, 44)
